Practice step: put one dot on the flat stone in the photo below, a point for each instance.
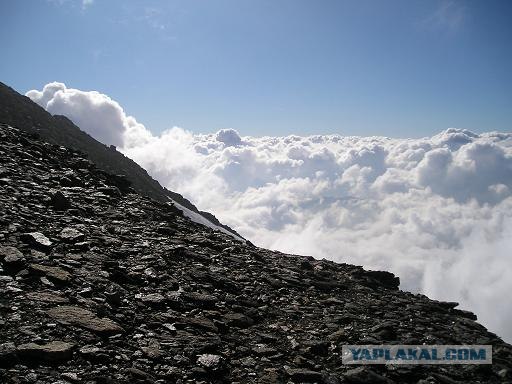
(209, 361)
(90, 350)
(264, 351)
(151, 298)
(84, 318)
(238, 320)
(94, 354)
(10, 255)
(152, 350)
(46, 297)
(304, 375)
(55, 274)
(140, 375)
(70, 376)
(71, 235)
(200, 299)
(199, 323)
(36, 239)
(54, 351)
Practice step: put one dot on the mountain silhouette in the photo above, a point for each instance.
(21, 112)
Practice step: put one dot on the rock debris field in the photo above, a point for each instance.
(99, 284)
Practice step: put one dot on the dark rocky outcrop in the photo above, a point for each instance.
(21, 112)
(116, 287)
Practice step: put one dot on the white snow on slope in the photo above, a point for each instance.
(197, 218)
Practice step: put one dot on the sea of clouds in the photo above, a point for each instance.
(436, 211)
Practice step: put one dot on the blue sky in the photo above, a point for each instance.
(400, 68)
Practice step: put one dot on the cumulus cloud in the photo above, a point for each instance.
(96, 113)
(229, 137)
(436, 211)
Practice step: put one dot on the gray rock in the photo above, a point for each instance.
(86, 319)
(70, 377)
(37, 239)
(139, 374)
(209, 361)
(238, 320)
(71, 235)
(47, 297)
(54, 274)
(11, 255)
(151, 298)
(55, 351)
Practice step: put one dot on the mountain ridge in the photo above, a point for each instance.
(21, 112)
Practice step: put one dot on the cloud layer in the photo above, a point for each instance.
(436, 211)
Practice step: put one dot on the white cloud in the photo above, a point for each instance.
(449, 15)
(84, 3)
(436, 211)
(87, 3)
(96, 113)
(229, 137)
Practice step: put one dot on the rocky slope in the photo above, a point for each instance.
(100, 284)
(23, 113)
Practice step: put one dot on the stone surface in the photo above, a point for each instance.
(71, 235)
(37, 239)
(55, 351)
(10, 255)
(48, 297)
(84, 318)
(304, 375)
(53, 273)
(209, 361)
